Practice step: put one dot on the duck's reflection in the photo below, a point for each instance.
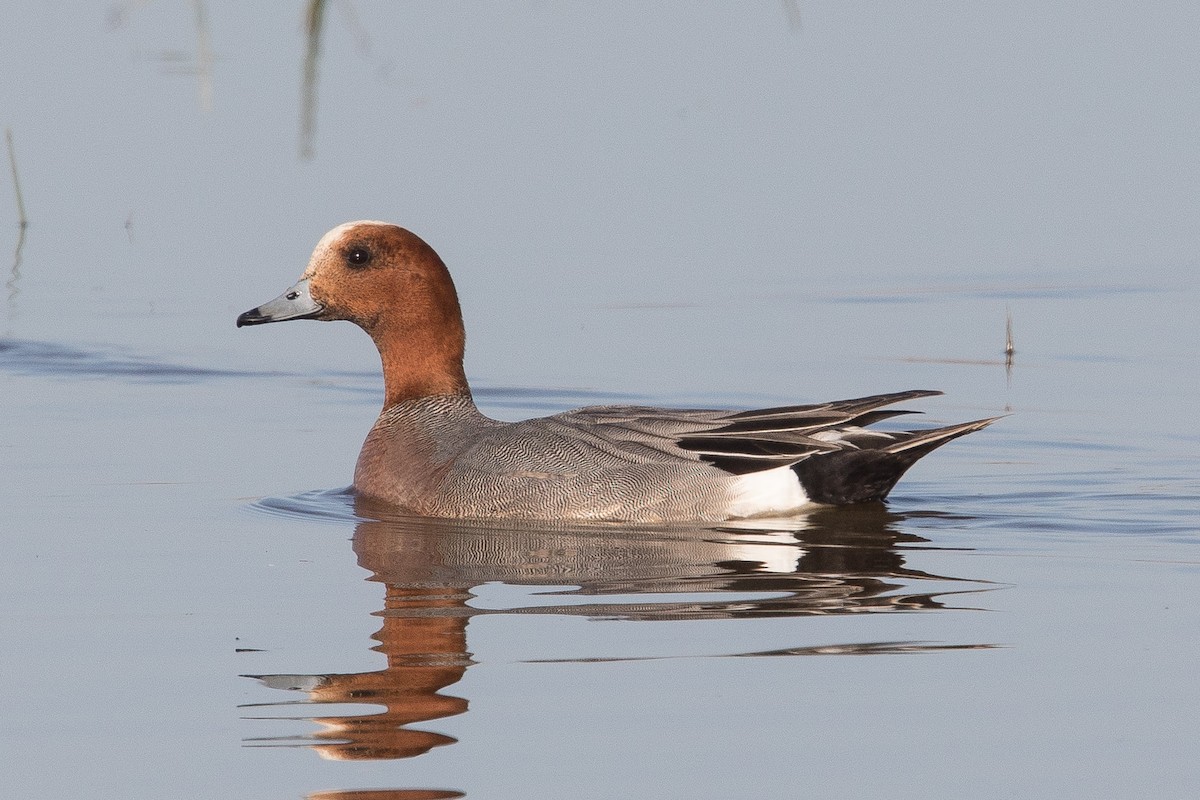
(832, 562)
(424, 638)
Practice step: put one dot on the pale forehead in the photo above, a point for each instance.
(329, 241)
(337, 233)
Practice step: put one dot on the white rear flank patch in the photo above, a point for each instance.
(772, 491)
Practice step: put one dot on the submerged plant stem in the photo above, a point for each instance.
(22, 220)
(314, 21)
(1010, 349)
(204, 56)
(22, 223)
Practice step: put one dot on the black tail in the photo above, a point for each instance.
(860, 476)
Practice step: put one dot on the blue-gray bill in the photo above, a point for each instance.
(295, 303)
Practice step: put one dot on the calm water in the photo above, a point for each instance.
(783, 203)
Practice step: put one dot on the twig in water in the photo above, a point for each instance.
(795, 21)
(22, 220)
(204, 56)
(22, 223)
(314, 20)
(1009, 349)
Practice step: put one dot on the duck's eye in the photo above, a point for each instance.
(358, 256)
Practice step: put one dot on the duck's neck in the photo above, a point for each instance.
(418, 363)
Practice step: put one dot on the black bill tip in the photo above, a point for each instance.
(251, 317)
(295, 303)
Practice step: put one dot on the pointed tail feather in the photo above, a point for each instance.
(922, 443)
(859, 476)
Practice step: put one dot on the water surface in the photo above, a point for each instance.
(687, 206)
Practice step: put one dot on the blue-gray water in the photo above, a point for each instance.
(765, 203)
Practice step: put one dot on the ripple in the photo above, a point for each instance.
(48, 358)
(326, 505)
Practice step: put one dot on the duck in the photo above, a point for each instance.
(433, 453)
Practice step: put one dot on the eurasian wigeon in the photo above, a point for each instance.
(432, 452)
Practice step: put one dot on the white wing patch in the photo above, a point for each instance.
(772, 491)
(842, 435)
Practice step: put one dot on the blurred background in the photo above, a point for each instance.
(734, 204)
(612, 185)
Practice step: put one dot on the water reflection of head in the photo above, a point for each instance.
(829, 562)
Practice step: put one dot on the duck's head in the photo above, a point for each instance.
(391, 284)
(375, 274)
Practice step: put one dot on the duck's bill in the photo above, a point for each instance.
(295, 303)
